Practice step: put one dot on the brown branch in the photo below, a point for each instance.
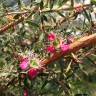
(82, 42)
(6, 27)
(64, 9)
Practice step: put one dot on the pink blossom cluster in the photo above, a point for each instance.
(51, 48)
(51, 38)
(32, 71)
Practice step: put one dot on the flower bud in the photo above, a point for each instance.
(51, 37)
(25, 92)
(51, 49)
(32, 73)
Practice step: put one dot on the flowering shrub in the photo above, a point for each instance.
(64, 29)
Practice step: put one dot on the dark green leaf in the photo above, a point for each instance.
(32, 23)
(61, 14)
(93, 2)
(41, 5)
(44, 84)
(19, 3)
(87, 15)
(44, 18)
(52, 2)
(61, 2)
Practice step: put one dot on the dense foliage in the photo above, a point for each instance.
(46, 27)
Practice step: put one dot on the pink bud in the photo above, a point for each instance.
(64, 47)
(51, 49)
(51, 37)
(24, 64)
(32, 73)
(79, 9)
(25, 92)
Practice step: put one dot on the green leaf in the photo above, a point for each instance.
(61, 2)
(4, 74)
(41, 37)
(19, 3)
(52, 2)
(34, 64)
(38, 1)
(41, 5)
(17, 16)
(44, 84)
(53, 18)
(44, 18)
(32, 23)
(87, 15)
(56, 42)
(61, 14)
(93, 2)
(2, 62)
(26, 82)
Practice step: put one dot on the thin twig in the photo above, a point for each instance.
(44, 10)
(6, 27)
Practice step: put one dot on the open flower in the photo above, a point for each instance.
(64, 47)
(51, 49)
(32, 73)
(24, 64)
(51, 36)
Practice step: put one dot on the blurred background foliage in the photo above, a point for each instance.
(72, 75)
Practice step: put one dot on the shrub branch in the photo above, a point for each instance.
(75, 46)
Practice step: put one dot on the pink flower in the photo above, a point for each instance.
(64, 47)
(24, 64)
(51, 49)
(25, 92)
(51, 37)
(79, 9)
(32, 73)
